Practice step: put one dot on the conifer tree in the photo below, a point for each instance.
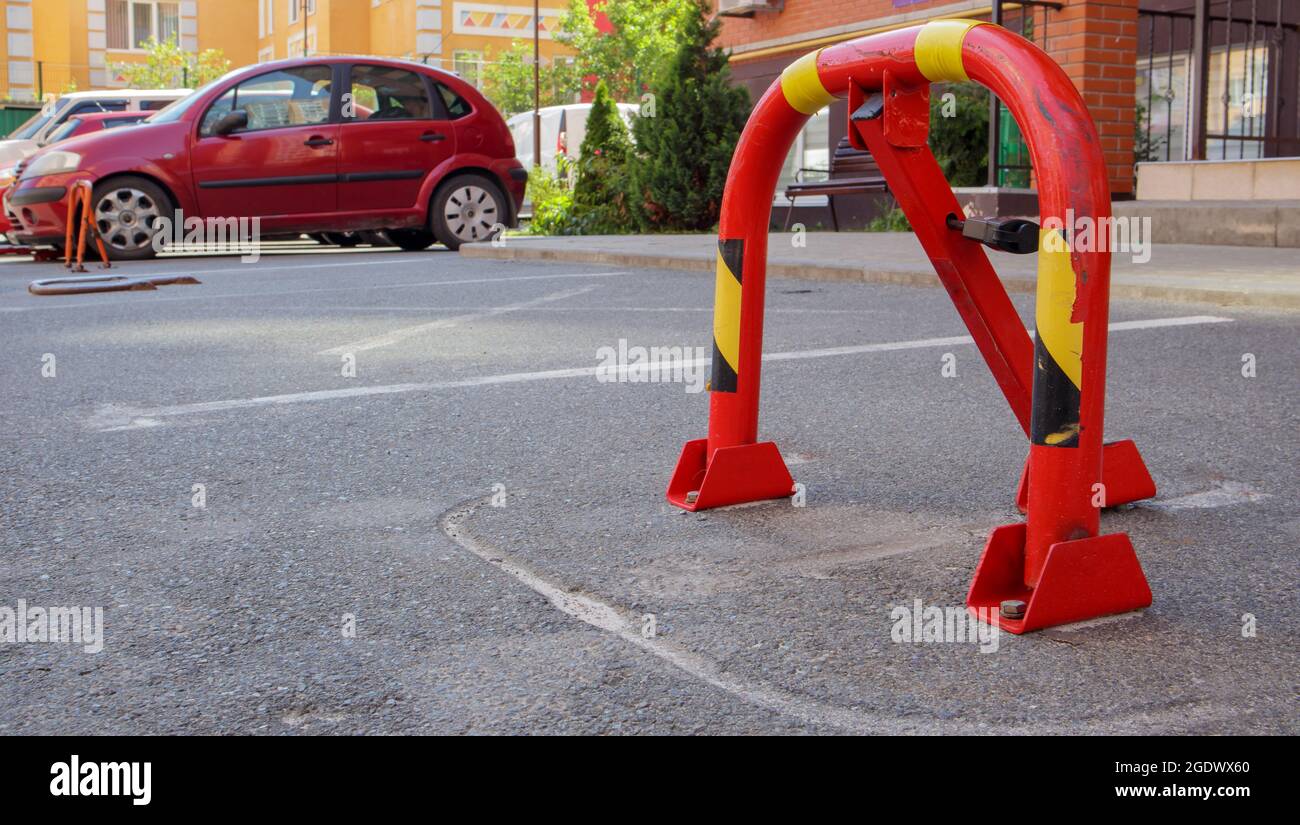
(684, 150)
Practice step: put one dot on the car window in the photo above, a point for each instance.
(289, 97)
(154, 105)
(31, 127)
(99, 106)
(114, 122)
(41, 120)
(457, 107)
(385, 93)
(69, 126)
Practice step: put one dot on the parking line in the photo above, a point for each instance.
(1222, 494)
(600, 308)
(249, 269)
(359, 288)
(389, 338)
(114, 417)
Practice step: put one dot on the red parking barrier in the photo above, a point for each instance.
(81, 216)
(83, 284)
(1055, 563)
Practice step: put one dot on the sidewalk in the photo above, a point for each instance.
(1224, 275)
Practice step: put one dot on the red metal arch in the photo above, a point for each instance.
(1055, 385)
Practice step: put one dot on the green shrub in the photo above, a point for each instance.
(683, 152)
(600, 202)
(892, 221)
(960, 140)
(552, 197)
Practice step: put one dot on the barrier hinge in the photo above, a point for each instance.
(1015, 235)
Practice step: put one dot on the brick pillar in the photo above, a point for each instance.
(1096, 42)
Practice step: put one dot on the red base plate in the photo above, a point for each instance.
(1082, 579)
(1123, 472)
(750, 472)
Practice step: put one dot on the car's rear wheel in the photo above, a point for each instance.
(127, 210)
(412, 240)
(467, 209)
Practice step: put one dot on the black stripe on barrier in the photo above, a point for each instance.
(725, 378)
(733, 255)
(726, 315)
(1054, 420)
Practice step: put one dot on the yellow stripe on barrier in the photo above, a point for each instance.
(1056, 296)
(802, 86)
(938, 49)
(726, 315)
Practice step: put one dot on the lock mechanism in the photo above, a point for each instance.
(1015, 235)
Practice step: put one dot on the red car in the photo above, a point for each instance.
(76, 125)
(85, 124)
(308, 145)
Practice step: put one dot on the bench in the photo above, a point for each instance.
(852, 172)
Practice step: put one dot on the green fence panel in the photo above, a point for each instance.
(13, 115)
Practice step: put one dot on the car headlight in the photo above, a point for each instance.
(7, 176)
(52, 163)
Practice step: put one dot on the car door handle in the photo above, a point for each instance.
(432, 137)
(317, 140)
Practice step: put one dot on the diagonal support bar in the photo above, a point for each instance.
(923, 193)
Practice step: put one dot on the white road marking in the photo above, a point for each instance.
(598, 308)
(627, 626)
(397, 335)
(87, 304)
(251, 269)
(611, 619)
(110, 417)
(1224, 494)
(1157, 323)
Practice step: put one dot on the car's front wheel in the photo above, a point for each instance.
(467, 209)
(127, 210)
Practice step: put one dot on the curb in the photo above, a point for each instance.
(850, 274)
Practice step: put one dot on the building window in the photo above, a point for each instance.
(132, 22)
(1162, 93)
(295, 9)
(467, 64)
(295, 48)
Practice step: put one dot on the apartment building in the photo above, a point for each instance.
(53, 45)
(451, 34)
(1164, 80)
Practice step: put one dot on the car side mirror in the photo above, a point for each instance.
(230, 122)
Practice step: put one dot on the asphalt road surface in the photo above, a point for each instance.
(386, 492)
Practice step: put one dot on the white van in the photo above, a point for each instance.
(29, 137)
(563, 128)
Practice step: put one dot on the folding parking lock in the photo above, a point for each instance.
(1055, 567)
(80, 223)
